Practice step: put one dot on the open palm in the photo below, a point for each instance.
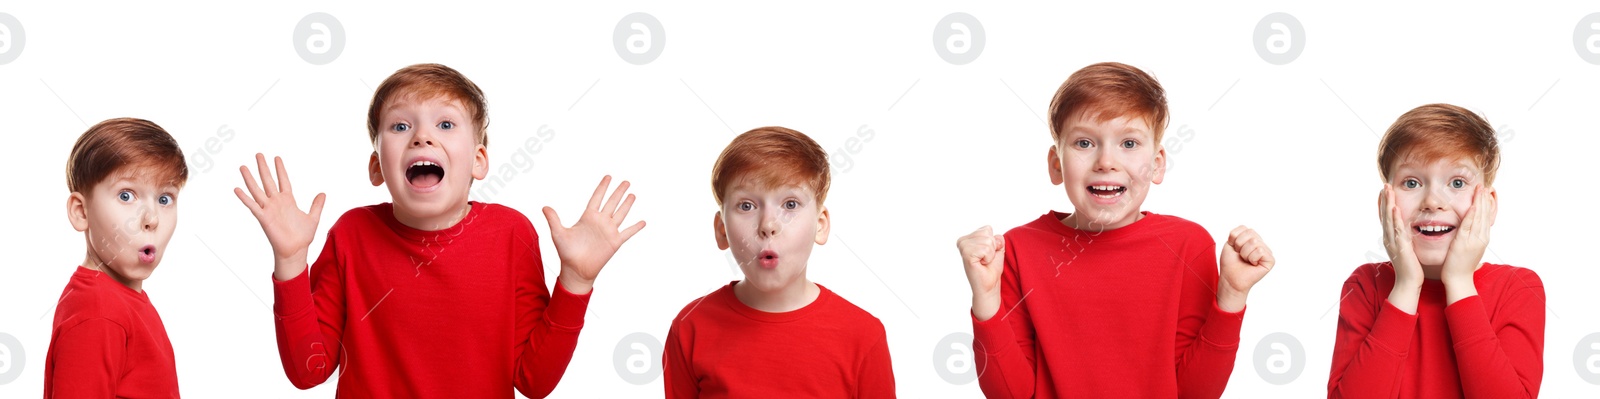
(585, 247)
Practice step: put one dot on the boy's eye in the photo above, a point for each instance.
(746, 206)
(125, 196)
(1458, 183)
(1082, 143)
(401, 127)
(166, 199)
(791, 204)
(1129, 144)
(447, 125)
(1411, 183)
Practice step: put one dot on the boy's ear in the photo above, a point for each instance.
(721, 230)
(1160, 164)
(1055, 168)
(822, 226)
(374, 170)
(480, 163)
(77, 213)
(1494, 198)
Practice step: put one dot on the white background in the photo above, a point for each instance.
(1287, 149)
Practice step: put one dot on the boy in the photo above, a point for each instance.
(1108, 301)
(776, 333)
(107, 339)
(1436, 321)
(431, 295)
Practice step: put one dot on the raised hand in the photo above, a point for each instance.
(1408, 273)
(984, 255)
(289, 230)
(1244, 261)
(587, 245)
(1465, 255)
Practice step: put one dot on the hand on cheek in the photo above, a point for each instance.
(1465, 255)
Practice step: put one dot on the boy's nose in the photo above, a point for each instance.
(769, 226)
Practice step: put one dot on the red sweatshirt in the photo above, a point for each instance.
(719, 347)
(1483, 346)
(460, 313)
(107, 341)
(1126, 313)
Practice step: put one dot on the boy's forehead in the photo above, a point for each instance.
(414, 100)
(752, 185)
(140, 175)
(1414, 162)
(1089, 122)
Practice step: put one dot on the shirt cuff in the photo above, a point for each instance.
(1467, 320)
(292, 296)
(1222, 327)
(1393, 329)
(566, 309)
(992, 337)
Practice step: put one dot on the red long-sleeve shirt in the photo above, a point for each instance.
(456, 313)
(1125, 313)
(1485, 346)
(107, 341)
(719, 347)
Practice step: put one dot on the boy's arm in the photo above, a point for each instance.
(1500, 361)
(548, 325)
(1003, 345)
(309, 318)
(87, 360)
(1368, 347)
(677, 375)
(875, 379)
(1208, 337)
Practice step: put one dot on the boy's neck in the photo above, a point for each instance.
(435, 223)
(92, 262)
(1072, 221)
(786, 299)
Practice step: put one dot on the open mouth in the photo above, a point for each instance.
(1106, 190)
(1433, 230)
(147, 253)
(768, 258)
(424, 173)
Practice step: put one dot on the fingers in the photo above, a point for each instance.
(631, 230)
(255, 191)
(611, 204)
(316, 206)
(555, 221)
(1000, 245)
(255, 209)
(599, 193)
(283, 176)
(268, 186)
(622, 212)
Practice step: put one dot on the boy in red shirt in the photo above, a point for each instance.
(107, 339)
(775, 334)
(432, 296)
(1436, 321)
(1108, 301)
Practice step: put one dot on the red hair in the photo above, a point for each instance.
(427, 81)
(115, 144)
(1107, 91)
(770, 157)
(1437, 132)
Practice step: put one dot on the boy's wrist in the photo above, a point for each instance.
(1231, 300)
(287, 268)
(574, 284)
(1458, 287)
(984, 308)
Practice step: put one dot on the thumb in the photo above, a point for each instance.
(555, 221)
(1000, 245)
(316, 207)
(1228, 252)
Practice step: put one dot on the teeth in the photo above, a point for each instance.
(1106, 188)
(423, 163)
(1434, 228)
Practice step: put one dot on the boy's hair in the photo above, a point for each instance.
(769, 157)
(427, 81)
(1439, 131)
(1107, 91)
(114, 144)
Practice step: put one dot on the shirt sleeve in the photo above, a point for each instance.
(1208, 337)
(1371, 342)
(876, 377)
(309, 315)
(678, 375)
(548, 324)
(1003, 346)
(87, 360)
(1501, 359)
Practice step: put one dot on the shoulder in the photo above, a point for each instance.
(847, 314)
(1510, 278)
